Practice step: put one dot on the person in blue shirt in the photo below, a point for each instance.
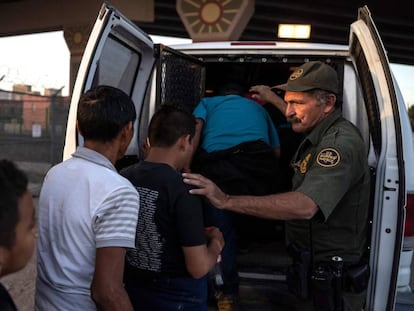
(233, 134)
(229, 119)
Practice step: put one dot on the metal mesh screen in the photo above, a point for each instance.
(180, 80)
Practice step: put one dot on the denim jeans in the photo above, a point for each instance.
(225, 221)
(168, 293)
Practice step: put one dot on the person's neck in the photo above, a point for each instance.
(164, 155)
(107, 149)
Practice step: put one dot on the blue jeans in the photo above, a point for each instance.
(168, 293)
(225, 221)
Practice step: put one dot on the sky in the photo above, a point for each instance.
(42, 60)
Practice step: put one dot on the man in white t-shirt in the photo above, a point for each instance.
(88, 212)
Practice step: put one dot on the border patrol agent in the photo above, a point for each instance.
(327, 210)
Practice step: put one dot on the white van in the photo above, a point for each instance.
(120, 54)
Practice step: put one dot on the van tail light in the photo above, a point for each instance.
(409, 221)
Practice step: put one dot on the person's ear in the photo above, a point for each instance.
(189, 139)
(129, 128)
(184, 142)
(127, 132)
(330, 103)
(77, 127)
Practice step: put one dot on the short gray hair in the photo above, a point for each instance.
(322, 96)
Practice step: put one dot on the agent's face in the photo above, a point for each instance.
(304, 111)
(26, 234)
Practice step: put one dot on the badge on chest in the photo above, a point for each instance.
(304, 164)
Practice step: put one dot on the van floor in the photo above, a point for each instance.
(262, 275)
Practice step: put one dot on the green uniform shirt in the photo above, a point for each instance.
(331, 168)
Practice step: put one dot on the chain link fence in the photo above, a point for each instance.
(32, 127)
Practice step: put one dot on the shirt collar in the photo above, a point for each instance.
(315, 135)
(93, 156)
(320, 129)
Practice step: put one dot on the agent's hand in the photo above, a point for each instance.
(265, 93)
(207, 188)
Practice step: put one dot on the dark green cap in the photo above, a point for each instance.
(310, 76)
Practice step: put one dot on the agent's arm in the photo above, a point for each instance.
(265, 93)
(107, 287)
(284, 206)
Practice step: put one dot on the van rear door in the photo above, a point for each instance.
(118, 54)
(382, 105)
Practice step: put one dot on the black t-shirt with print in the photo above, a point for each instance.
(169, 218)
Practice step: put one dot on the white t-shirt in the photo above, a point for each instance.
(84, 204)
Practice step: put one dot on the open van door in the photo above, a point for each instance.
(120, 54)
(383, 110)
(117, 54)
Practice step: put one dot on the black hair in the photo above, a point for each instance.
(231, 88)
(103, 111)
(13, 184)
(168, 124)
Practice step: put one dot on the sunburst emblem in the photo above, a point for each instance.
(208, 16)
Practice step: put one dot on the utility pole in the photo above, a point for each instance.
(53, 124)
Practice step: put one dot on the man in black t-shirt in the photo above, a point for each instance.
(167, 269)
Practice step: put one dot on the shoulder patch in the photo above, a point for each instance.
(328, 157)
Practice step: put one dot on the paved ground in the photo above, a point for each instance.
(21, 286)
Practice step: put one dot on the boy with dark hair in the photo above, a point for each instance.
(103, 112)
(88, 212)
(167, 269)
(18, 228)
(168, 125)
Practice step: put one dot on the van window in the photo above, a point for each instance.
(117, 65)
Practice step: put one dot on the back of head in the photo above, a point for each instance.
(13, 184)
(168, 124)
(230, 88)
(102, 113)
